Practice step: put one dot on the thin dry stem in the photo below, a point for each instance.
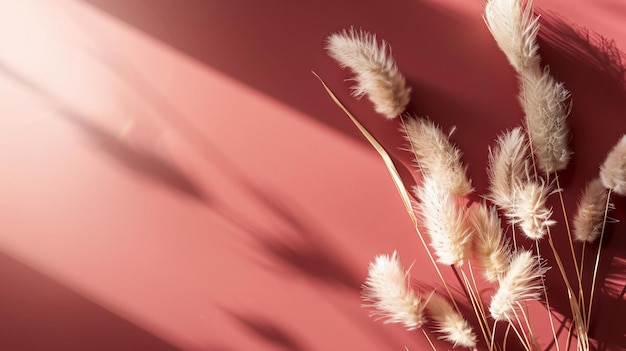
(480, 313)
(527, 321)
(522, 336)
(397, 181)
(595, 268)
(506, 336)
(545, 295)
(580, 327)
(428, 339)
(571, 243)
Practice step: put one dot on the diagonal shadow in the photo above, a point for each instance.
(231, 54)
(300, 249)
(138, 160)
(39, 313)
(255, 43)
(267, 331)
(307, 256)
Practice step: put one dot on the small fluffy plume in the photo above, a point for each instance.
(450, 234)
(387, 288)
(376, 73)
(530, 212)
(515, 28)
(544, 102)
(613, 170)
(489, 245)
(437, 156)
(521, 282)
(450, 323)
(590, 216)
(507, 167)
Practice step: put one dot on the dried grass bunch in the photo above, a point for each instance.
(522, 170)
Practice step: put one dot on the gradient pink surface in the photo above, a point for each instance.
(174, 177)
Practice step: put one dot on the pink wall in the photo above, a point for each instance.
(173, 177)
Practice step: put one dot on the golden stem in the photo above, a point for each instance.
(582, 331)
(395, 176)
(522, 337)
(506, 336)
(581, 298)
(530, 329)
(428, 338)
(480, 315)
(545, 294)
(595, 268)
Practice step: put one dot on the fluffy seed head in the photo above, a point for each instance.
(489, 245)
(450, 323)
(376, 73)
(387, 289)
(521, 282)
(590, 214)
(613, 170)
(445, 221)
(515, 28)
(437, 156)
(530, 212)
(508, 167)
(544, 101)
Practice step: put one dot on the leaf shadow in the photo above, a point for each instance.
(140, 161)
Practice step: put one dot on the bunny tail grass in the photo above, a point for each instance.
(521, 282)
(387, 290)
(613, 170)
(508, 167)
(544, 101)
(515, 28)
(450, 234)
(489, 247)
(450, 323)
(437, 156)
(376, 73)
(590, 215)
(530, 212)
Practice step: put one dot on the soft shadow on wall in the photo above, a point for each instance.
(273, 45)
(38, 313)
(300, 250)
(591, 70)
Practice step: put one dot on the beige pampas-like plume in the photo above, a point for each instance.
(530, 211)
(590, 215)
(521, 282)
(437, 156)
(544, 102)
(613, 170)
(508, 167)
(450, 234)
(450, 323)
(515, 28)
(489, 245)
(376, 73)
(387, 289)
